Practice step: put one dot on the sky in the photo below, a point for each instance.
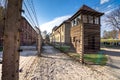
(52, 13)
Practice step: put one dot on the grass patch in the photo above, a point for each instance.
(110, 43)
(1, 48)
(110, 40)
(99, 59)
(63, 48)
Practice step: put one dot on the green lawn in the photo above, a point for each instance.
(96, 58)
(110, 40)
(110, 43)
(63, 48)
(99, 59)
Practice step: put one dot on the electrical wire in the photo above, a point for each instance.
(29, 13)
(35, 12)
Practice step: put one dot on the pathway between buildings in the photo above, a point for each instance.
(54, 65)
(114, 61)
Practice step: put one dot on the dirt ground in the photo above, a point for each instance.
(113, 65)
(54, 65)
(28, 59)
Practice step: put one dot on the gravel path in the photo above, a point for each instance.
(54, 65)
(114, 61)
(28, 61)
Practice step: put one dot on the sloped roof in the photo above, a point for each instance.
(84, 7)
(54, 28)
(87, 10)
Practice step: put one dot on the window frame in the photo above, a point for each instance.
(90, 19)
(85, 18)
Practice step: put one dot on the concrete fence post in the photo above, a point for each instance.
(10, 67)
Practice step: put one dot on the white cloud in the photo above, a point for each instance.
(109, 6)
(48, 26)
(107, 12)
(96, 8)
(103, 1)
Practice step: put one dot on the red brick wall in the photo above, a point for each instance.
(28, 35)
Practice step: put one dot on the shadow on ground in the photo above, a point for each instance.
(112, 53)
(52, 53)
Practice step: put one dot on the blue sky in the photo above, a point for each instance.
(54, 12)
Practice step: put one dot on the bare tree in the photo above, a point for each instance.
(113, 19)
(44, 33)
(110, 34)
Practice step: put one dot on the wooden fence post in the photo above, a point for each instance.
(81, 43)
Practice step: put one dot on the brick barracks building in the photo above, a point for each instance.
(28, 35)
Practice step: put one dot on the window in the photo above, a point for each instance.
(73, 23)
(96, 20)
(79, 16)
(85, 18)
(62, 38)
(62, 28)
(73, 39)
(90, 19)
(26, 35)
(76, 21)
